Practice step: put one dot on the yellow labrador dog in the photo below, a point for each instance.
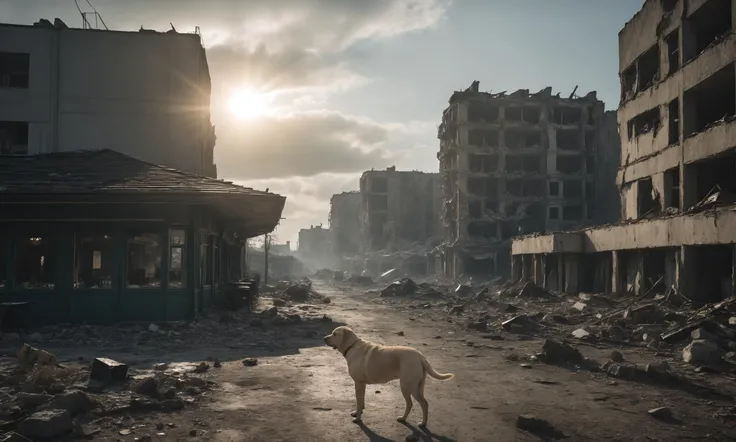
(370, 363)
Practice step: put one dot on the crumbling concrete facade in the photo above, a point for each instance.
(517, 163)
(345, 224)
(398, 209)
(677, 123)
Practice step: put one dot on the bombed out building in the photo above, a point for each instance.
(345, 223)
(519, 163)
(399, 218)
(677, 176)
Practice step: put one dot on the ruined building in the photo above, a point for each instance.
(519, 163)
(145, 94)
(314, 244)
(345, 223)
(677, 123)
(398, 208)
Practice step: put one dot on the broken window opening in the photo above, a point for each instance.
(378, 202)
(554, 213)
(482, 229)
(379, 185)
(715, 174)
(474, 209)
(572, 213)
(711, 102)
(648, 66)
(672, 188)
(569, 163)
(533, 138)
(628, 82)
(590, 164)
(483, 138)
(15, 68)
(482, 112)
(714, 266)
(511, 209)
(525, 188)
(35, 263)
(490, 206)
(524, 163)
(673, 51)
(673, 114)
(645, 198)
(590, 140)
(13, 138)
(93, 263)
(144, 261)
(567, 115)
(531, 114)
(568, 139)
(554, 188)
(377, 221)
(177, 258)
(513, 114)
(534, 221)
(479, 267)
(643, 123)
(668, 5)
(513, 139)
(590, 199)
(483, 186)
(591, 116)
(709, 24)
(483, 163)
(509, 230)
(572, 188)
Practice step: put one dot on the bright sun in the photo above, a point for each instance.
(248, 103)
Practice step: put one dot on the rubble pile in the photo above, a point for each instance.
(42, 399)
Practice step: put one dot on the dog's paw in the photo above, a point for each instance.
(401, 419)
(422, 424)
(353, 413)
(356, 420)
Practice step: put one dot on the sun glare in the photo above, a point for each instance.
(248, 104)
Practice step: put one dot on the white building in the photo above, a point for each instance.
(145, 94)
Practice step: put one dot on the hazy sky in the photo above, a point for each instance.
(336, 87)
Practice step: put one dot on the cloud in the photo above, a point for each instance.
(307, 199)
(305, 144)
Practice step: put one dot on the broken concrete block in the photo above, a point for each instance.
(580, 306)
(250, 362)
(616, 356)
(615, 333)
(557, 352)
(29, 356)
(581, 333)
(621, 371)
(732, 320)
(661, 367)
(701, 352)
(13, 437)
(75, 402)
(479, 326)
(108, 370)
(645, 314)
(153, 328)
(700, 333)
(46, 424)
(31, 400)
(663, 413)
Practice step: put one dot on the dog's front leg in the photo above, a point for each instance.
(359, 401)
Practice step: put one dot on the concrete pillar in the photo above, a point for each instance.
(526, 267)
(688, 187)
(639, 277)
(572, 267)
(516, 267)
(538, 265)
(686, 271)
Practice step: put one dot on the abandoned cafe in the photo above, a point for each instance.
(100, 237)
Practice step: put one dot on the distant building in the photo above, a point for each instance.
(280, 249)
(145, 94)
(398, 208)
(345, 223)
(519, 163)
(314, 242)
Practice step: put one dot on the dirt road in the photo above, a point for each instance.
(300, 389)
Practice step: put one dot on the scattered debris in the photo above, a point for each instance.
(250, 362)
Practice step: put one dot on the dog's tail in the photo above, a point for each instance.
(430, 371)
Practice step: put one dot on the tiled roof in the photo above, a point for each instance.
(103, 171)
(106, 172)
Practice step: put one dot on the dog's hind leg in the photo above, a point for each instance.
(418, 394)
(359, 401)
(406, 391)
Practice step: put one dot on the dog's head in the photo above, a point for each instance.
(341, 338)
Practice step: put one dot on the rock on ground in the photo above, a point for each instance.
(46, 424)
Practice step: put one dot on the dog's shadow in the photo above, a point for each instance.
(420, 434)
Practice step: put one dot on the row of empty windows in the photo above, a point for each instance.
(570, 188)
(563, 115)
(15, 70)
(35, 261)
(706, 26)
(566, 139)
(530, 163)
